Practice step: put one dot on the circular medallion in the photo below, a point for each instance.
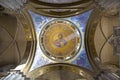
(60, 39)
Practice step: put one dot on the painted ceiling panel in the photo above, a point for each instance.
(80, 21)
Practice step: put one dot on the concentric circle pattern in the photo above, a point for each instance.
(60, 39)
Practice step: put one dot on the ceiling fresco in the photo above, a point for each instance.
(81, 57)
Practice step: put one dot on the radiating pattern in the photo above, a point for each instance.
(60, 39)
(80, 20)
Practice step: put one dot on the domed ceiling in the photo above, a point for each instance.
(60, 40)
(56, 33)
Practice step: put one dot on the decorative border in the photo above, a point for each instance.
(89, 39)
(75, 26)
